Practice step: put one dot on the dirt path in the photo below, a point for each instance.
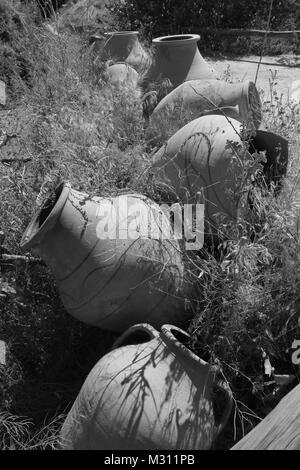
(245, 68)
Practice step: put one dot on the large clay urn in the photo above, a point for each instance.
(201, 156)
(150, 392)
(122, 46)
(197, 97)
(113, 259)
(178, 59)
(208, 155)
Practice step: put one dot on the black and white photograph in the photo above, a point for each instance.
(149, 228)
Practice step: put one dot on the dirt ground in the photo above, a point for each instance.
(287, 69)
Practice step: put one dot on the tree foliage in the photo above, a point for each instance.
(163, 17)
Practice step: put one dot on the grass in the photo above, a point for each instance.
(70, 125)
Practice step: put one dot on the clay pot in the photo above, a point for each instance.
(149, 392)
(199, 158)
(196, 97)
(110, 270)
(122, 46)
(122, 74)
(178, 59)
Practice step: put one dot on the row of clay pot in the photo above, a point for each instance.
(178, 59)
(198, 92)
(150, 391)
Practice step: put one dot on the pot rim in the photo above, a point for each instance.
(169, 337)
(121, 33)
(34, 233)
(176, 39)
(247, 105)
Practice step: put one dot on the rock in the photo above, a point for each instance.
(2, 93)
(51, 28)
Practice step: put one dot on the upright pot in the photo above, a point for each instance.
(113, 260)
(201, 157)
(197, 97)
(122, 46)
(178, 59)
(150, 392)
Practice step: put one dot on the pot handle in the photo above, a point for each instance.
(142, 327)
(223, 385)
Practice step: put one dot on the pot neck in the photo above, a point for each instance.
(45, 217)
(175, 338)
(180, 40)
(121, 37)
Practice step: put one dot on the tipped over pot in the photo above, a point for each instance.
(209, 154)
(197, 97)
(150, 392)
(112, 258)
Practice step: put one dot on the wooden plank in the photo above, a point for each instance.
(280, 430)
(252, 32)
(2, 353)
(2, 93)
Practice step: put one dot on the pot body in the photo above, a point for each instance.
(178, 59)
(150, 392)
(197, 97)
(111, 271)
(122, 46)
(197, 158)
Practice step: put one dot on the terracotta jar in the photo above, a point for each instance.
(199, 158)
(178, 59)
(202, 156)
(197, 97)
(122, 46)
(112, 258)
(150, 392)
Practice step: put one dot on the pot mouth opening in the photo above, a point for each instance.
(45, 214)
(251, 103)
(140, 333)
(48, 205)
(136, 337)
(182, 341)
(176, 39)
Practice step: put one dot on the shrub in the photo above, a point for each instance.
(161, 18)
